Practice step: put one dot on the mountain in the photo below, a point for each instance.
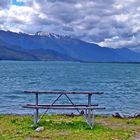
(128, 55)
(13, 52)
(50, 46)
(50, 55)
(10, 54)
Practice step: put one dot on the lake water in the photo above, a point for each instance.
(119, 82)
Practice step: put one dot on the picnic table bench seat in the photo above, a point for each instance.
(70, 107)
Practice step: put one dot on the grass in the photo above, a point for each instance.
(60, 127)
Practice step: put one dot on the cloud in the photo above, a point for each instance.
(4, 4)
(131, 42)
(112, 23)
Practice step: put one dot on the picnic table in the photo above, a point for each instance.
(87, 109)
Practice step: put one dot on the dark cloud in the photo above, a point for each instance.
(4, 4)
(67, 28)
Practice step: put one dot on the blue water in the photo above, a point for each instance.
(119, 82)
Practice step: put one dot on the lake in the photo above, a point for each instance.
(120, 83)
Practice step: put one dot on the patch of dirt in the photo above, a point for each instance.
(118, 124)
(64, 133)
(33, 138)
(113, 125)
(136, 137)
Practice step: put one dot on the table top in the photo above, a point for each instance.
(62, 92)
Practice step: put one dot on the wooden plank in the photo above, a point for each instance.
(62, 105)
(63, 92)
(52, 107)
(89, 111)
(36, 113)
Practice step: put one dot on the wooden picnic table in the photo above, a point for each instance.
(88, 117)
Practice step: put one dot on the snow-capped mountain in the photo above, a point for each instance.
(51, 46)
(53, 35)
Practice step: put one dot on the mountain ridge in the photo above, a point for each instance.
(51, 46)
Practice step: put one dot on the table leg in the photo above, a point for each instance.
(36, 111)
(86, 113)
(89, 110)
(92, 118)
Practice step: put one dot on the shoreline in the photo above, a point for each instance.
(115, 115)
(111, 62)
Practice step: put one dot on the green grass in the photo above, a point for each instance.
(59, 127)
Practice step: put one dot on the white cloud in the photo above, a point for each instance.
(121, 42)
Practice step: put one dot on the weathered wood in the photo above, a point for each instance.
(36, 113)
(92, 118)
(89, 110)
(62, 105)
(56, 107)
(63, 92)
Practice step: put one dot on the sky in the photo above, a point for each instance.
(109, 23)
